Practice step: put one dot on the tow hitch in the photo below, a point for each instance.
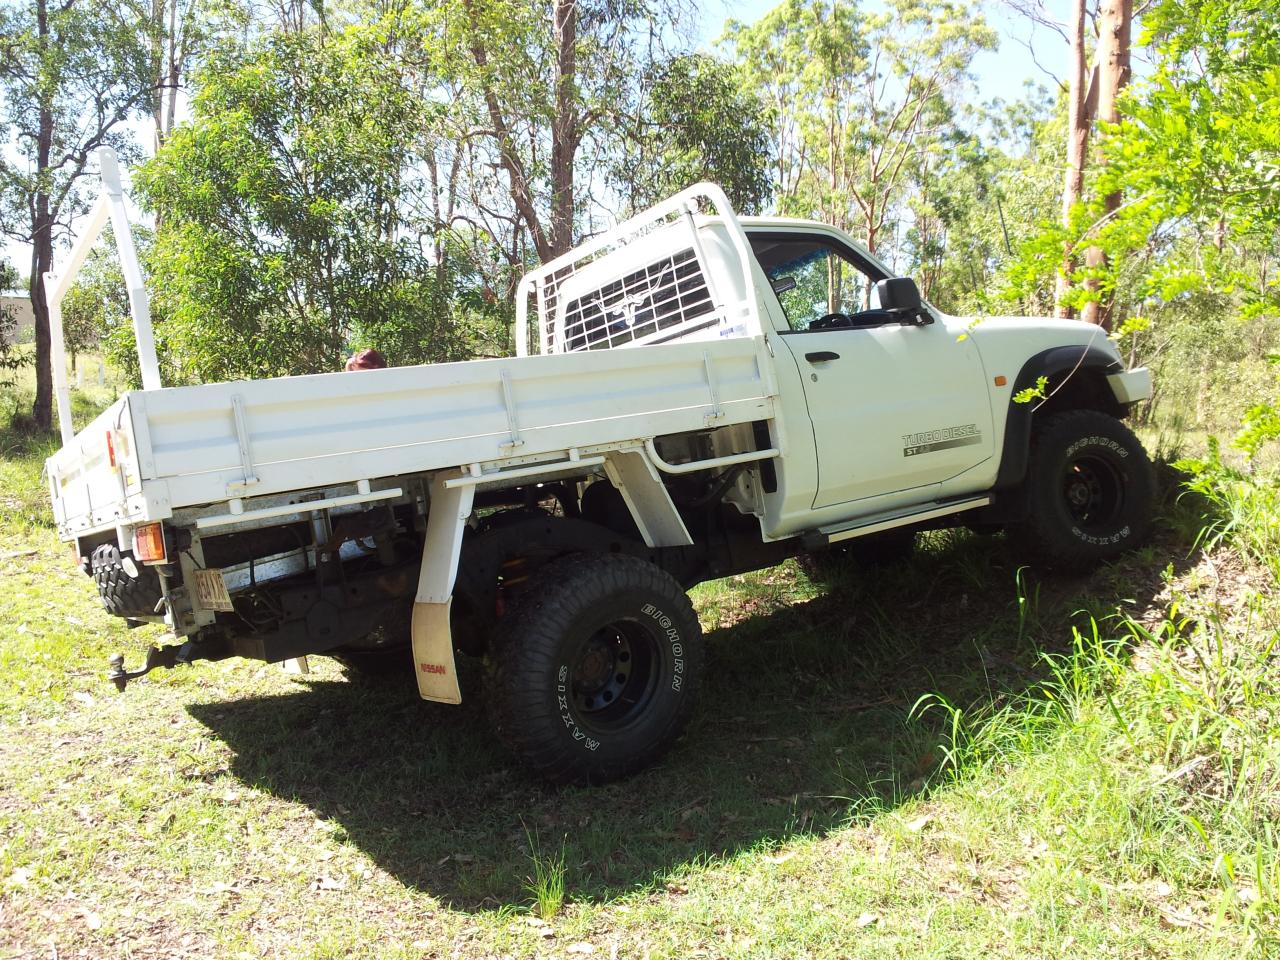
(156, 657)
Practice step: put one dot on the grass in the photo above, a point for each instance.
(546, 886)
(950, 757)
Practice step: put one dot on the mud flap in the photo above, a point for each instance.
(432, 640)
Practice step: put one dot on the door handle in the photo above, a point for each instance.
(821, 356)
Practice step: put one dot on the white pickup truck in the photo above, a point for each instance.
(701, 395)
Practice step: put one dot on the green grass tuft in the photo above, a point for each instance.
(546, 886)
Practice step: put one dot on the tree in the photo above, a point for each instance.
(281, 240)
(856, 95)
(697, 120)
(976, 195)
(95, 311)
(10, 360)
(177, 30)
(1115, 19)
(1093, 95)
(553, 83)
(71, 73)
(1082, 102)
(1195, 154)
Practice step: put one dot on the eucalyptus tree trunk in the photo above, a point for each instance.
(1115, 24)
(1081, 104)
(42, 222)
(564, 127)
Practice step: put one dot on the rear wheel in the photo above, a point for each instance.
(1090, 491)
(594, 673)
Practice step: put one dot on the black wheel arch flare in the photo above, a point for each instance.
(1085, 368)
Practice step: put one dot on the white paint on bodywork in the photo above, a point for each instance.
(1006, 343)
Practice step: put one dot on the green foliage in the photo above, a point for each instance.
(699, 120)
(1244, 510)
(11, 360)
(95, 311)
(280, 238)
(856, 94)
(1261, 423)
(1194, 158)
(1033, 393)
(80, 81)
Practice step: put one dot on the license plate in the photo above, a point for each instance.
(211, 591)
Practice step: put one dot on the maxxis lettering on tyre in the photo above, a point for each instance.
(566, 714)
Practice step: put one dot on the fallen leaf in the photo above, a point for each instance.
(585, 949)
(866, 919)
(329, 883)
(92, 920)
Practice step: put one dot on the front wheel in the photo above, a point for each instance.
(596, 674)
(1090, 491)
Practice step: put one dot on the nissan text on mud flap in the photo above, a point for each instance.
(694, 395)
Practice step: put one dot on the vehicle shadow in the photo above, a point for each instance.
(803, 725)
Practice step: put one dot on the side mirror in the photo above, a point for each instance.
(901, 297)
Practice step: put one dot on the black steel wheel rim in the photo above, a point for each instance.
(613, 675)
(1093, 490)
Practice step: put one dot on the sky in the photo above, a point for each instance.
(1000, 73)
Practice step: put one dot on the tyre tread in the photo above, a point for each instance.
(518, 708)
(1037, 535)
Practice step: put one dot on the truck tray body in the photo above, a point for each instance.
(157, 451)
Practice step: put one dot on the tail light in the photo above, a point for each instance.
(148, 543)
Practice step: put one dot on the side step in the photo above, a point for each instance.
(825, 536)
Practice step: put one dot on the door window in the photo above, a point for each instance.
(814, 282)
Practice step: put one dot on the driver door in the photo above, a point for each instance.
(894, 408)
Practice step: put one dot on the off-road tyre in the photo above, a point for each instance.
(594, 673)
(126, 587)
(1090, 489)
